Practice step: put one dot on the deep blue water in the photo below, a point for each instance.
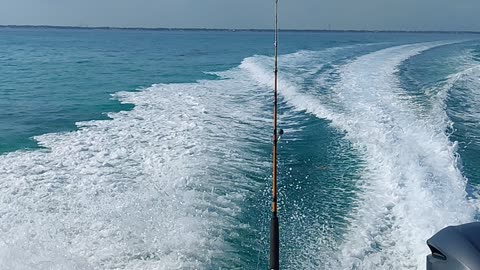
(129, 149)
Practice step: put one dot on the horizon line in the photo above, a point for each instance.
(229, 29)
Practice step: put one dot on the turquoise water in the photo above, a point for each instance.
(129, 149)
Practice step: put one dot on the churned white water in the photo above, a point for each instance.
(158, 187)
(165, 186)
(411, 187)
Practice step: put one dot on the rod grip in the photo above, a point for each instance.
(274, 244)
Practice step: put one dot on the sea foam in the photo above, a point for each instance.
(158, 187)
(412, 186)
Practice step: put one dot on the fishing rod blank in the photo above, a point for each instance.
(274, 228)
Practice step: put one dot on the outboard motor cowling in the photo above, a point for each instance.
(455, 248)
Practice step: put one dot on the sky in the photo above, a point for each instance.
(443, 15)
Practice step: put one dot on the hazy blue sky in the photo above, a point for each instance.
(300, 14)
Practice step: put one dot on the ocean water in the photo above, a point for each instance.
(129, 149)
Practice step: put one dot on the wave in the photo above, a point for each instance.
(169, 184)
(463, 88)
(463, 100)
(160, 187)
(411, 187)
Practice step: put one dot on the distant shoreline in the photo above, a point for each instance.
(229, 30)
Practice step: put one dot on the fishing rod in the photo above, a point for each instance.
(274, 230)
